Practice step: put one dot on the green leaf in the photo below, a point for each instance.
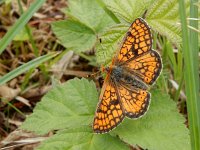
(74, 35)
(110, 13)
(25, 67)
(163, 17)
(82, 139)
(18, 26)
(89, 13)
(111, 40)
(162, 128)
(87, 20)
(128, 10)
(68, 105)
(72, 106)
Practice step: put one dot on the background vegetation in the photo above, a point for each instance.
(56, 41)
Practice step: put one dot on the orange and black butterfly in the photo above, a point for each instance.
(125, 90)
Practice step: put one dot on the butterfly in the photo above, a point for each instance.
(135, 67)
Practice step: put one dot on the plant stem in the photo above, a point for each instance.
(190, 53)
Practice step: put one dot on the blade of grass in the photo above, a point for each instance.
(191, 77)
(178, 91)
(25, 67)
(171, 57)
(11, 105)
(155, 35)
(194, 39)
(162, 83)
(20, 24)
(35, 49)
(28, 31)
(26, 79)
(180, 64)
(194, 51)
(16, 109)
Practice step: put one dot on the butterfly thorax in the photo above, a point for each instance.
(117, 73)
(121, 75)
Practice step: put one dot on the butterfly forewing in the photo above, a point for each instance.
(137, 41)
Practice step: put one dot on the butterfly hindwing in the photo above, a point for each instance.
(134, 101)
(146, 67)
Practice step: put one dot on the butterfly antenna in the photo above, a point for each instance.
(144, 14)
(94, 74)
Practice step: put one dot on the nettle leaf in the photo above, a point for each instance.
(82, 139)
(163, 17)
(74, 35)
(162, 128)
(89, 13)
(80, 31)
(68, 105)
(128, 10)
(110, 43)
(70, 109)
